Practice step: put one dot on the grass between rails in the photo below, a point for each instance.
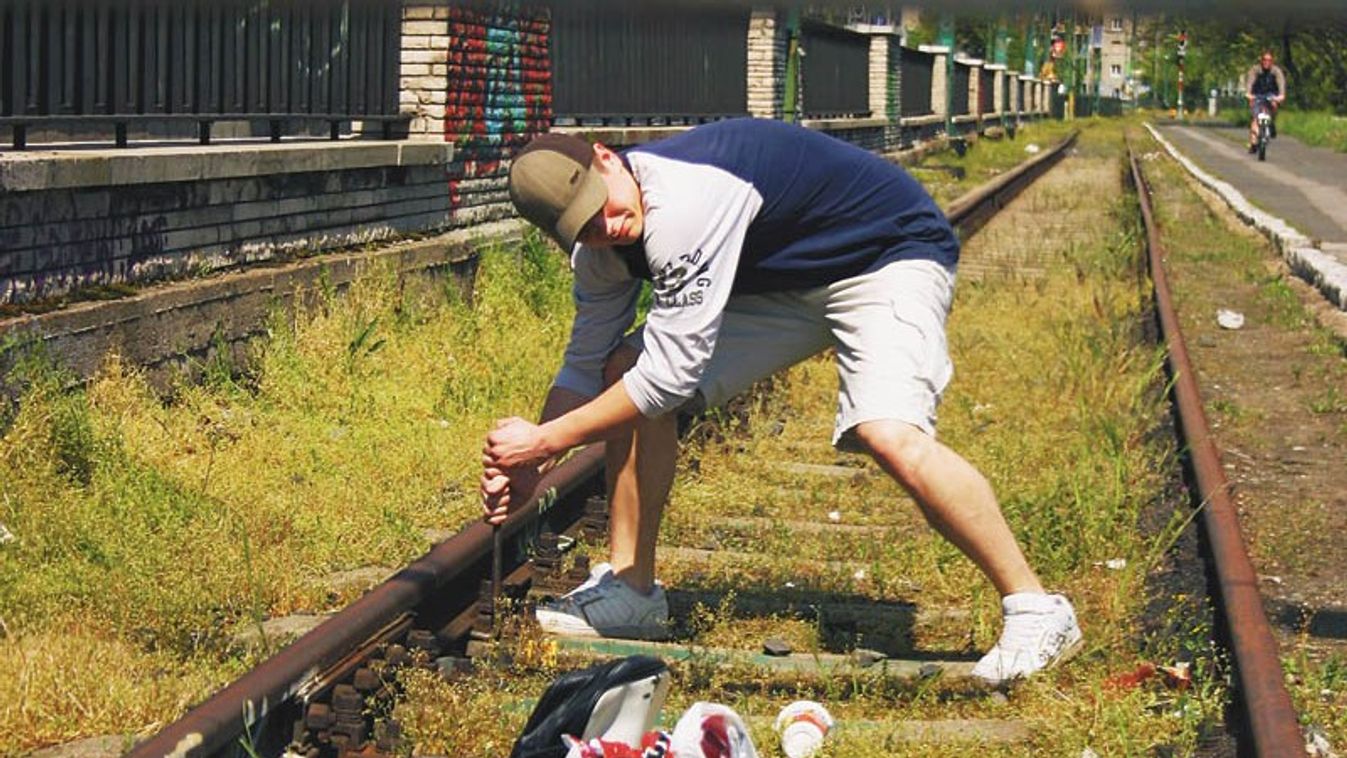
(1058, 398)
(148, 533)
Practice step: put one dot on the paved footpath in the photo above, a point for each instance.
(1306, 186)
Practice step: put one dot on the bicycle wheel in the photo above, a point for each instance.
(1262, 142)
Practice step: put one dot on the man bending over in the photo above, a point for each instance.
(765, 243)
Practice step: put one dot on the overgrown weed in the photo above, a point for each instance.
(163, 527)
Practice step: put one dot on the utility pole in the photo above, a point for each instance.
(1181, 53)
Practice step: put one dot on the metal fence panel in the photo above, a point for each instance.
(73, 58)
(648, 62)
(914, 93)
(986, 91)
(959, 89)
(835, 71)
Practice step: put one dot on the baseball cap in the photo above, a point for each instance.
(554, 184)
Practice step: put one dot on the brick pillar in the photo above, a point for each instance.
(766, 63)
(974, 85)
(998, 86)
(423, 83)
(938, 83)
(879, 76)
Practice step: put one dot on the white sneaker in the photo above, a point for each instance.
(1040, 631)
(604, 606)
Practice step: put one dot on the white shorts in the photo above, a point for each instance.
(887, 325)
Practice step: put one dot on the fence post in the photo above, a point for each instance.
(766, 64)
(878, 73)
(998, 90)
(423, 76)
(975, 90)
(939, 80)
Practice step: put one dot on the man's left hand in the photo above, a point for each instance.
(515, 442)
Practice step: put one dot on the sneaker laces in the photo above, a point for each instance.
(1033, 632)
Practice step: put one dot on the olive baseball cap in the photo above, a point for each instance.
(554, 184)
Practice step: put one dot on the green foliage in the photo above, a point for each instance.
(1309, 48)
(1318, 128)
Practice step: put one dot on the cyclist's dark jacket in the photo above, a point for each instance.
(1270, 82)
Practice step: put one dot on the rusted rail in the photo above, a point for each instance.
(1270, 719)
(970, 211)
(437, 594)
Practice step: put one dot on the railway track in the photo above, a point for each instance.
(312, 698)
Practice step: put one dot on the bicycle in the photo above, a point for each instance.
(1262, 110)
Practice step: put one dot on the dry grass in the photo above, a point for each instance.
(1058, 399)
(162, 529)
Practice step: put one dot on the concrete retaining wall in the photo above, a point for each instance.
(72, 219)
(175, 329)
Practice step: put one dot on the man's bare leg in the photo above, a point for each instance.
(640, 471)
(955, 499)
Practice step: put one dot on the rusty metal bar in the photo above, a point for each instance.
(969, 212)
(215, 724)
(1272, 725)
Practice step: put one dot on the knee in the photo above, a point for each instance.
(900, 448)
(619, 362)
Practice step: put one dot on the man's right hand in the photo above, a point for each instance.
(503, 489)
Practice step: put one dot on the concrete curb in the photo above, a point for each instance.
(1327, 274)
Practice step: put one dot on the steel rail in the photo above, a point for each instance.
(441, 588)
(242, 707)
(1272, 726)
(970, 211)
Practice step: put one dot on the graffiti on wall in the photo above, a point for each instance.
(500, 96)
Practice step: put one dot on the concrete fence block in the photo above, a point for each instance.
(424, 28)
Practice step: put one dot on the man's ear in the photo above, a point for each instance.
(602, 154)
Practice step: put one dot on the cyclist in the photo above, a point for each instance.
(1265, 79)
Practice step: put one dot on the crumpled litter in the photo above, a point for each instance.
(1176, 677)
(706, 730)
(1229, 319)
(1032, 148)
(6, 536)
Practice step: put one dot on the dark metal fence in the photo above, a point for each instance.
(1023, 94)
(1056, 104)
(123, 62)
(915, 83)
(647, 63)
(1090, 105)
(835, 71)
(986, 90)
(1007, 81)
(959, 86)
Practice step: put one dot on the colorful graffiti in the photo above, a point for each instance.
(499, 96)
